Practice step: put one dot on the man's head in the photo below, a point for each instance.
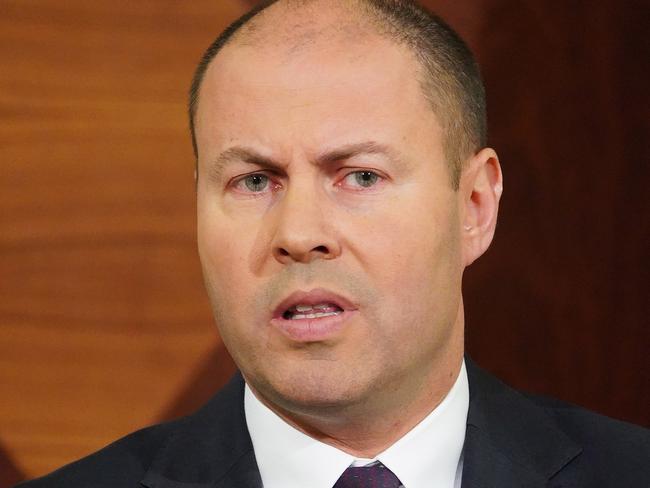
(324, 170)
(447, 71)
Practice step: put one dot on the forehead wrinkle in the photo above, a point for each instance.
(324, 158)
(238, 154)
(348, 151)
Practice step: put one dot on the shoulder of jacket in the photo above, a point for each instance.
(121, 463)
(611, 448)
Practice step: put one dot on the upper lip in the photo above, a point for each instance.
(312, 297)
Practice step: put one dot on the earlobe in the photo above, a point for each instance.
(481, 189)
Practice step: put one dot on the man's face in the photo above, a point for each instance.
(323, 168)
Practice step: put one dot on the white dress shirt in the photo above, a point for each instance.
(428, 455)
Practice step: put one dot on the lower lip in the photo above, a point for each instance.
(312, 330)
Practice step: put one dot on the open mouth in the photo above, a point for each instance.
(315, 304)
(313, 316)
(305, 311)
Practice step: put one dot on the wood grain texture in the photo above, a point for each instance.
(103, 317)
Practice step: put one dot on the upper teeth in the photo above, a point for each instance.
(307, 308)
(306, 311)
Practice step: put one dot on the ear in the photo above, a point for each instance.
(480, 190)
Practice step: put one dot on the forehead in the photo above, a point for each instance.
(319, 88)
(292, 26)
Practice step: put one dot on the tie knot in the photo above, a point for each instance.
(373, 476)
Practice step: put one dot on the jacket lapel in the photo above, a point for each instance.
(510, 440)
(486, 466)
(211, 448)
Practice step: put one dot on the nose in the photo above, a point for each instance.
(303, 232)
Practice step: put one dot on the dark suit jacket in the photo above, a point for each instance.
(512, 440)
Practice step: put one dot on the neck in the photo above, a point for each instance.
(366, 436)
(366, 430)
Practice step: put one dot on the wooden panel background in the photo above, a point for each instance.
(104, 319)
(104, 326)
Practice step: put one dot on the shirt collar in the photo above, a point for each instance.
(428, 455)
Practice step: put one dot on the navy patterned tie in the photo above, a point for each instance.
(374, 476)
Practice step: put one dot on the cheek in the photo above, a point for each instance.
(409, 250)
(223, 260)
(227, 283)
(414, 261)
(416, 279)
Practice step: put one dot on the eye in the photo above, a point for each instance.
(256, 182)
(363, 178)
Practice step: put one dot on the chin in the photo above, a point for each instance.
(305, 390)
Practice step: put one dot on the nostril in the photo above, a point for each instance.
(303, 254)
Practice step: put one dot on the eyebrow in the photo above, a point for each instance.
(347, 151)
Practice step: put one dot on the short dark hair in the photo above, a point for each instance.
(451, 82)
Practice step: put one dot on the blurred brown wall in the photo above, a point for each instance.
(104, 326)
(559, 305)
